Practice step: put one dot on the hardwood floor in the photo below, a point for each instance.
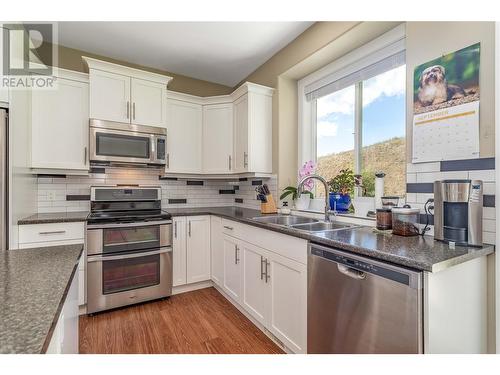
(197, 322)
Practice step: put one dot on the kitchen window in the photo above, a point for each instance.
(353, 115)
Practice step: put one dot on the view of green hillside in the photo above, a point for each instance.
(388, 156)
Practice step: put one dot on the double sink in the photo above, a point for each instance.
(304, 224)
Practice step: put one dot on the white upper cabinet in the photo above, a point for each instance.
(253, 129)
(218, 138)
(109, 96)
(184, 137)
(122, 94)
(59, 124)
(149, 101)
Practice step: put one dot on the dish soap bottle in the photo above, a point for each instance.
(285, 210)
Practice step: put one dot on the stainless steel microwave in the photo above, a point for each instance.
(115, 142)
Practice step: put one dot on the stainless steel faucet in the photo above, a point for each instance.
(300, 188)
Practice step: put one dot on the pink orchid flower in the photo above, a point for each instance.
(307, 169)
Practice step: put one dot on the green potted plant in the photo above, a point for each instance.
(341, 189)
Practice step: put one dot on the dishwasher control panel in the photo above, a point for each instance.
(360, 265)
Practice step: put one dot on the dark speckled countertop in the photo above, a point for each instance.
(421, 253)
(33, 287)
(55, 217)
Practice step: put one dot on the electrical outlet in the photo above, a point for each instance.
(51, 196)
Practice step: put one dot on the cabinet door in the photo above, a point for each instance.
(183, 137)
(149, 103)
(288, 319)
(218, 138)
(109, 96)
(217, 250)
(179, 251)
(256, 287)
(241, 134)
(59, 126)
(198, 248)
(232, 268)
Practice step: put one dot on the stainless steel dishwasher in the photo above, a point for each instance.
(359, 305)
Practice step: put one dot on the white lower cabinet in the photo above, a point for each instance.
(198, 249)
(191, 249)
(216, 250)
(64, 338)
(232, 268)
(256, 282)
(288, 284)
(179, 251)
(270, 287)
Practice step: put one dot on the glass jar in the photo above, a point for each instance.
(384, 218)
(405, 221)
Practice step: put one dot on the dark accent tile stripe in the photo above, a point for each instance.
(420, 188)
(43, 175)
(257, 182)
(423, 219)
(243, 179)
(226, 191)
(238, 200)
(488, 200)
(167, 178)
(194, 183)
(97, 170)
(177, 201)
(467, 164)
(236, 187)
(77, 197)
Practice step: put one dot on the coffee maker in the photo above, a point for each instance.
(458, 212)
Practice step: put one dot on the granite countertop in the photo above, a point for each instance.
(421, 253)
(34, 284)
(55, 217)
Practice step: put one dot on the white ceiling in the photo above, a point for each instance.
(221, 52)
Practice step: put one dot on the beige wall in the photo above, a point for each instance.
(428, 40)
(71, 59)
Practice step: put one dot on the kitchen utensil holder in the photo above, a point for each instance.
(269, 207)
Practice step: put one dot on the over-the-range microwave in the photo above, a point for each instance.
(120, 143)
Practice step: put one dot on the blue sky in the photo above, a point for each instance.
(383, 113)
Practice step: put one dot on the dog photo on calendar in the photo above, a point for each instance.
(447, 81)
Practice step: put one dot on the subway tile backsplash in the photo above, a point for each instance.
(71, 193)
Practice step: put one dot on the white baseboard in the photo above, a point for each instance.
(190, 287)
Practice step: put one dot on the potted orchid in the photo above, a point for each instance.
(302, 202)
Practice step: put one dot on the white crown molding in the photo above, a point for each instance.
(252, 87)
(63, 73)
(124, 70)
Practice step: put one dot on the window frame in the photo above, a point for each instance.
(307, 116)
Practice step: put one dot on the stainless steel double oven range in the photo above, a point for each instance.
(129, 247)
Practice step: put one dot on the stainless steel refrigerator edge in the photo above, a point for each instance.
(358, 305)
(4, 219)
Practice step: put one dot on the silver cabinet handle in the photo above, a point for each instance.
(133, 110)
(262, 273)
(226, 227)
(53, 232)
(235, 254)
(245, 159)
(168, 160)
(85, 155)
(175, 229)
(351, 272)
(128, 109)
(267, 271)
(230, 162)
(189, 228)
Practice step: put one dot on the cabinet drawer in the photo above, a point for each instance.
(51, 234)
(288, 246)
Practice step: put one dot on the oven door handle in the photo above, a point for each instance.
(129, 225)
(128, 256)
